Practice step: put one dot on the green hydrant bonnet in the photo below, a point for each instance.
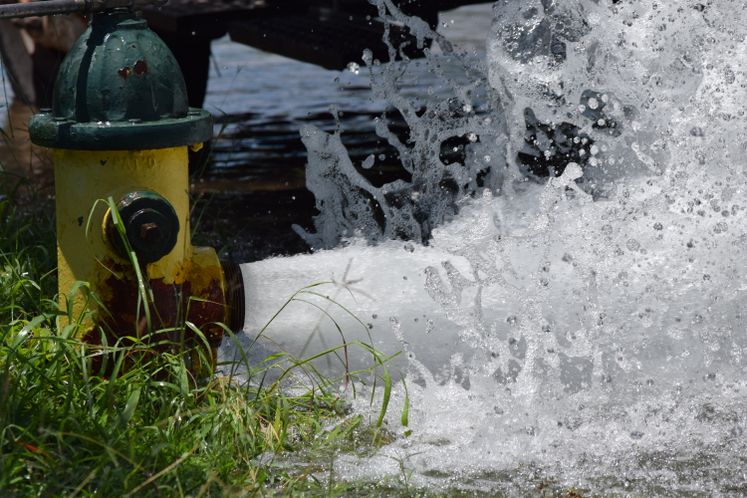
(120, 88)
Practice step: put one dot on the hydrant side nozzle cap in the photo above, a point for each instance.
(150, 223)
(120, 88)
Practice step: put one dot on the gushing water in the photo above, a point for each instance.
(583, 330)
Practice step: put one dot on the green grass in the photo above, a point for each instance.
(147, 430)
(147, 427)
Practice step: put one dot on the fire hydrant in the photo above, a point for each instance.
(120, 129)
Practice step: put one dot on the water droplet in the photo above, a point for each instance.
(633, 245)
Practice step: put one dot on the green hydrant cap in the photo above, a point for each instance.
(120, 88)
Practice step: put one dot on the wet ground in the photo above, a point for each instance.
(252, 189)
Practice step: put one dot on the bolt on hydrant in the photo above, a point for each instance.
(120, 129)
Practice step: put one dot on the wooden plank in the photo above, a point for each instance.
(332, 41)
(208, 18)
(199, 18)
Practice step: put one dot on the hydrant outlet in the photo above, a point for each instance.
(235, 296)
